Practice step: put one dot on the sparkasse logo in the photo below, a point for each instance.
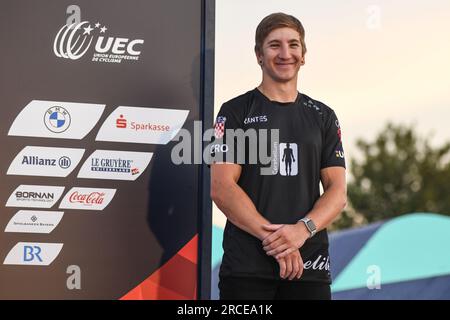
(121, 122)
(142, 125)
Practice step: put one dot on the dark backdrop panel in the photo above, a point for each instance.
(150, 219)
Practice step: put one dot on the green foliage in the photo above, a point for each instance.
(398, 174)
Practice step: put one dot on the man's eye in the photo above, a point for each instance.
(294, 45)
(274, 45)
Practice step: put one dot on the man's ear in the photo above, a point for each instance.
(259, 58)
(302, 60)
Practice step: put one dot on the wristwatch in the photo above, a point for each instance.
(309, 225)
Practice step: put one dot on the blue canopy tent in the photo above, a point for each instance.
(410, 253)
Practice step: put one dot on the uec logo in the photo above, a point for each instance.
(72, 43)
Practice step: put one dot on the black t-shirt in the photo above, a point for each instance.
(285, 189)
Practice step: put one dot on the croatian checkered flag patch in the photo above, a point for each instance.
(219, 127)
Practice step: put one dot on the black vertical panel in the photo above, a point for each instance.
(208, 40)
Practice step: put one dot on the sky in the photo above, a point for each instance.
(372, 62)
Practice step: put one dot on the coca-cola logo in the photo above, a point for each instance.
(87, 198)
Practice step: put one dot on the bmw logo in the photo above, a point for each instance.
(57, 119)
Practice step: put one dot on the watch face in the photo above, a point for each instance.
(311, 225)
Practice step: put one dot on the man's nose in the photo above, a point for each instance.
(284, 52)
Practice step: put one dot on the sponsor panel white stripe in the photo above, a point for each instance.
(45, 161)
(56, 119)
(115, 165)
(31, 221)
(33, 253)
(142, 125)
(34, 196)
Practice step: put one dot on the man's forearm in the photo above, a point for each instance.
(328, 207)
(240, 210)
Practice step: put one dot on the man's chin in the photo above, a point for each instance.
(283, 76)
(283, 79)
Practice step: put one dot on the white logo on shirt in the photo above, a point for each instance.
(255, 119)
(288, 159)
(321, 263)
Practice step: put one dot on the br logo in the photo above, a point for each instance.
(31, 253)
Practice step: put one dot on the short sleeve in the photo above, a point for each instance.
(223, 147)
(332, 149)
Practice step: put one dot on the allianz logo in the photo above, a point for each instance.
(63, 162)
(45, 161)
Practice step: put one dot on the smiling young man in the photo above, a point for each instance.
(275, 241)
